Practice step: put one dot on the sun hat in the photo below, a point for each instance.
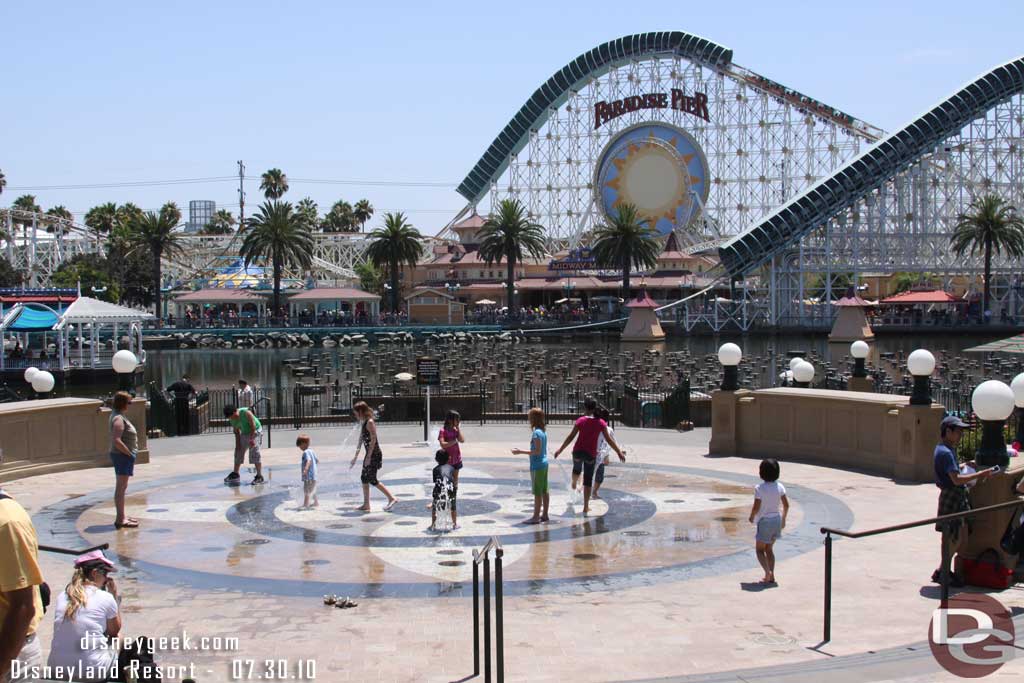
(94, 558)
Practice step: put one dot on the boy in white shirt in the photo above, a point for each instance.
(769, 513)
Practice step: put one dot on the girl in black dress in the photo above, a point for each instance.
(373, 459)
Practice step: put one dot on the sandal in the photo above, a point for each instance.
(391, 504)
(330, 599)
(127, 524)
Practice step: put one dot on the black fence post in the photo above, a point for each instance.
(827, 635)
(476, 616)
(487, 618)
(944, 573)
(499, 627)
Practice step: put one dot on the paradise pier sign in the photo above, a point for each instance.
(697, 104)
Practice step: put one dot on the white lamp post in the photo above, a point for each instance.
(1017, 386)
(730, 355)
(859, 350)
(992, 402)
(803, 374)
(921, 364)
(793, 362)
(124, 363)
(43, 382)
(30, 373)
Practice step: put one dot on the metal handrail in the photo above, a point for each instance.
(69, 551)
(270, 422)
(482, 556)
(943, 520)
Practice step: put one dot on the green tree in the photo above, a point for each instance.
(102, 219)
(904, 281)
(991, 224)
(131, 268)
(308, 212)
(63, 217)
(9, 275)
(128, 214)
(626, 241)
(841, 283)
(340, 218)
(155, 233)
(274, 183)
(222, 223)
(362, 212)
(371, 278)
(3, 182)
(277, 234)
(92, 272)
(393, 245)
(27, 202)
(510, 234)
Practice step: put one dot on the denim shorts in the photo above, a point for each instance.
(769, 529)
(124, 466)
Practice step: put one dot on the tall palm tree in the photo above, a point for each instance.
(3, 182)
(991, 224)
(340, 218)
(277, 234)
(362, 212)
(27, 202)
(307, 211)
(63, 215)
(626, 240)
(155, 233)
(510, 234)
(221, 223)
(274, 183)
(393, 245)
(102, 219)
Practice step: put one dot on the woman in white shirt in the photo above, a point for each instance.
(86, 614)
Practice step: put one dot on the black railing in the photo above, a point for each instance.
(482, 556)
(70, 551)
(943, 520)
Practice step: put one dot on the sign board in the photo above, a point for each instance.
(428, 371)
(577, 259)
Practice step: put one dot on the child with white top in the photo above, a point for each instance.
(769, 513)
(603, 450)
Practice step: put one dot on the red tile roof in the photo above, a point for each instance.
(334, 294)
(936, 296)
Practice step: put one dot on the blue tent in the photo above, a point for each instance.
(33, 318)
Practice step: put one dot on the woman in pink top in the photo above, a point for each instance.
(450, 437)
(586, 431)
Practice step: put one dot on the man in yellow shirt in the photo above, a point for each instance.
(21, 605)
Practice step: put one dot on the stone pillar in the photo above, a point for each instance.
(865, 384)
(918, 434)
(724, 406)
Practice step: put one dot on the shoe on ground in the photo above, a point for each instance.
(232, 478)
(258, 479)
(954, 580)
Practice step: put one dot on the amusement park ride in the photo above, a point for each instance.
(786, 189)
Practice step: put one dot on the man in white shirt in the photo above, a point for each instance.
(246, 397)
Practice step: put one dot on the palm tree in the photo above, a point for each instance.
(222, 223)
(991, 223)
(274, 183)
(102, 219)
(155, 232)
(307, 211)
(27, 202)
(3, 182)
(277, 233)
(340, 218)
(63, 215)
(362, 212)
(395, 244)
(626, 240)
(507, 235)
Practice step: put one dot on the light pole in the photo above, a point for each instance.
(1017, 386)
(730, 355)
(992, 402)
(803, 374)
(453, 291)
(43, 382)
(921, 364)
(124, 363)
(859, 350)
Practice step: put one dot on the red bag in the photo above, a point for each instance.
(987, 573)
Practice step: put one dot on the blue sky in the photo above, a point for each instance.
(403, 91)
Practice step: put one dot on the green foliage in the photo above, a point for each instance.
(992, 225)
(626, 241)
(340, 218)
(274, 183)
(222, 223)
(9, 275)
(371, 278)
(27, 202)
(362, 212)
(841, 283)
(308, 213)
(394, 244)
(102, 219)
(277, 234)
(92, 271)
(61, 212)
(904, 281)
(3, 182)
(154, 233)
(509, 235)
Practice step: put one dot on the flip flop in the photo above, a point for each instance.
(129, 524)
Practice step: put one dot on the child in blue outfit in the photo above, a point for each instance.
(309, 472)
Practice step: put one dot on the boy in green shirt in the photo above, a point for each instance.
(248, 436)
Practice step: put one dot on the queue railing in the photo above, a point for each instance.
(945, 521)
(482, 557)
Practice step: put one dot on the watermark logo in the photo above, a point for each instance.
(972, 636)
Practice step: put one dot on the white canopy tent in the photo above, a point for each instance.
(95, 314)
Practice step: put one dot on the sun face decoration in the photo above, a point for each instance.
(657, 168)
